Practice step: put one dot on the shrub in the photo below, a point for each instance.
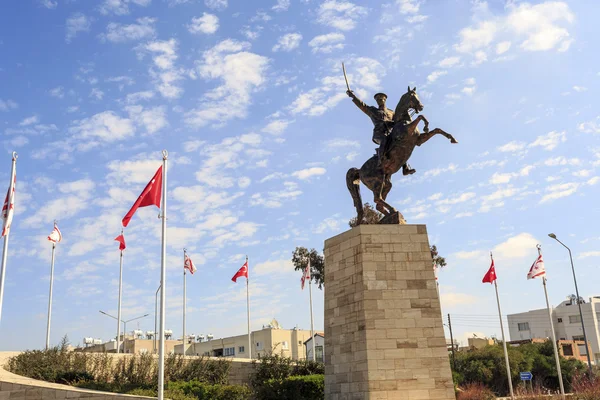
(586, 388)
(177, 368)
(475, 391)
(277, 367)
(204, 391)
(310, 387)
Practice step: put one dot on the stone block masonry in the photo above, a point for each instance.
(383, 324)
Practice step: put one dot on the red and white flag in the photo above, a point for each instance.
(189, 264)
(55, 236)
(490, 276)
(305, 275)
(121, 240)
(241, 272)
(150, 196)
(537, 269)
(8, 210)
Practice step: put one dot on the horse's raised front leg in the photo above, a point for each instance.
(437, 131)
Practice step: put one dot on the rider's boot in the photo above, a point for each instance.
(407, 170)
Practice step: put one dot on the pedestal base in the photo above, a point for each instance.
(384, 337)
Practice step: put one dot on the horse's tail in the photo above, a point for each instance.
(353, 183)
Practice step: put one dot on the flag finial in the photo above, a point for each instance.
(14, 155)
(165, 154)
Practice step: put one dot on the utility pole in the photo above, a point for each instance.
(452, 342)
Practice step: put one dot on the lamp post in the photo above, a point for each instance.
(124, 323)
(587, 350)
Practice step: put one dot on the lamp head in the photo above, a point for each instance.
(552, 235)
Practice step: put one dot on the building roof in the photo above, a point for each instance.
(315, 335)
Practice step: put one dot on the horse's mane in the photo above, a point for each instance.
(402, 107)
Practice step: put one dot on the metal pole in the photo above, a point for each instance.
(163, 282)
(556, 358)
(5, 247)
(156, 317)
(452, 342)
(312, 321)
(184, 295)
(248, 307)
(50, 298)
(510, 386)
(119, 308)
(587, 350)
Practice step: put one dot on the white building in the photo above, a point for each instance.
(567, 324)
(319, 347)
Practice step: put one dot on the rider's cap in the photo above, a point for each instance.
(380, 95)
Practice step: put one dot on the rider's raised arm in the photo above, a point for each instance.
(361, 104)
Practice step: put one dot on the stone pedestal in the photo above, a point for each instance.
(384, 337)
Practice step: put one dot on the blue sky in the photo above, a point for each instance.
(248, 98)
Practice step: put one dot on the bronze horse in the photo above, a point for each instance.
(400, 145)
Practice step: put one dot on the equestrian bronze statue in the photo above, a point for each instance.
(397, 135)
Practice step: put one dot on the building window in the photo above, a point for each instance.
(285, 345)
(319, 353)
(567, 349)
(578, 338)
(229, 351)
(241, 349)
(259, 345)
(582, 349)
(523, 326)
(598, 316)
(560, 320)
(574, 319)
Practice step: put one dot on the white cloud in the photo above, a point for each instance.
(219, 5)
(539, 27)
(153, 119)
(307, 173)
(587, 254)
(587, 127)
(103, 127)
(469, 255)
(461, 198)
(288, 42)
(501, 178)
(341, 143)
(120, 7)
(164, 56)
(503, 47)
(207, 23)
(342, 15)
(76, 23)
(273, 267)
(276, 127)
(518, 246)
(580, 89)
(49, 4)
(241, 73)
(30, 121)
(408, 6)
(6, 105)
(416, 19)
(97, 93)
(329, 224)
(454, 299)
(559, 191)
(58, 92)
(327, 43)
(449, 62)
(282, 5)
(560, 160)
(119, 33)
(435, 75)
(512, 147)
(549, 141)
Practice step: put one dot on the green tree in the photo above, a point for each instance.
(300, 258)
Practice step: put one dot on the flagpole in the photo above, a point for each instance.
(312, 320)
(5, 247)
(510, 386)
(556, 357)
(184, 299)
(163, 281)
(248, 306)
(120, 293)
(50, 297)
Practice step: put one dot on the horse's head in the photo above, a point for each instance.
(409, 100)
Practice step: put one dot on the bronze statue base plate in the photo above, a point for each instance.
(395, 218)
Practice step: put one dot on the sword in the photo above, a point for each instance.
(345, 77)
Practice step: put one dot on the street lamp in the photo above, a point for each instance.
(587, 350)
(124, 323)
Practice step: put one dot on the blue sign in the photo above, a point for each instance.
(526, 376)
